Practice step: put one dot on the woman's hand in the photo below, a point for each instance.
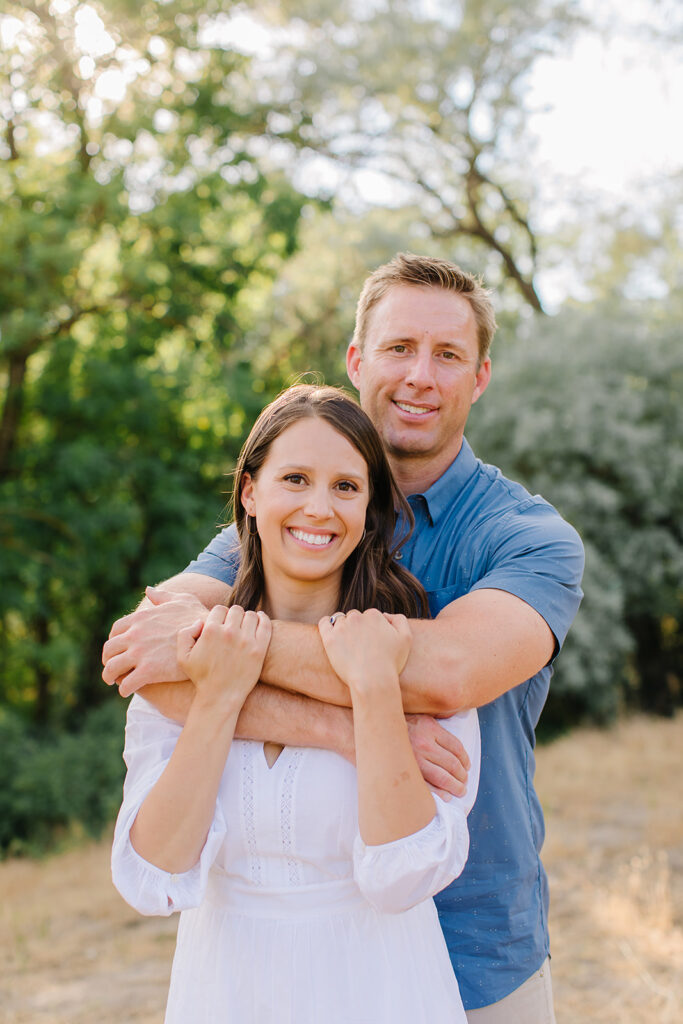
(366, 649)
(224, 655)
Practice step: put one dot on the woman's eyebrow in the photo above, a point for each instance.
(291, 467)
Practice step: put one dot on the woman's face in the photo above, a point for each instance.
(309, 499)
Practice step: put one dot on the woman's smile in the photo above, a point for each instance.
(317, 540)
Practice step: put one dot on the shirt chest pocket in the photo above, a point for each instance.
(438, 599)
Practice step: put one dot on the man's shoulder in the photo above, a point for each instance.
(488, 512)
(220, 558)
(488, 494)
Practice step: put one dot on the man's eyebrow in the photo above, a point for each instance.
(405, 338)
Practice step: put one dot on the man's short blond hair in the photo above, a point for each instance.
(427, 272)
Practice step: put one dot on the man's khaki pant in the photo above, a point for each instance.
(531, 1003)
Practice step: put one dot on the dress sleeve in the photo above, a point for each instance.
(150, 741)
(395, 876)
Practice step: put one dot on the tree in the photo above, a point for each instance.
(426, 100)
(586, 410)
(140, 236)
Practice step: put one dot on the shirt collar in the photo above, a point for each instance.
(440, 496)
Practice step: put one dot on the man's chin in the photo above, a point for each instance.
(402, 447)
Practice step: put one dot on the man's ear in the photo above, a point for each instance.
(247, 494)
(354, 358)
(482, 380)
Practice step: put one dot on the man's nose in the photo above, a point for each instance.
(421, 370)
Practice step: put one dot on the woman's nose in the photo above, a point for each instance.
(318, 503)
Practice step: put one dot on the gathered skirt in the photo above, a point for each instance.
(317, 954)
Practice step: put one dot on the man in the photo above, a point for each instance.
(502, 571)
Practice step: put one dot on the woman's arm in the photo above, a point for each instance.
(367, 651)
(395, 876)
(173, 822)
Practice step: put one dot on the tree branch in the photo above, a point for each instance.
(478, 229)
(17, 360)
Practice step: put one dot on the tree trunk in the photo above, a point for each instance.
(41, 710)
(658, 672)
(11, 412)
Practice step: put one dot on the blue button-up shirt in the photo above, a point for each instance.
(474, 530)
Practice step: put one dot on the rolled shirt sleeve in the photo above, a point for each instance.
(220, 558)
(395, 876)
(538, 557)
(150, 741)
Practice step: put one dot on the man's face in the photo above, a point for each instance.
(419, 373)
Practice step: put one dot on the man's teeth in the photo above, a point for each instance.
(312, 538)
(412, 408)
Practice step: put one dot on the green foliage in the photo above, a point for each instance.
(136, 260)
(161, 278)
(56, 783)
(585, 409)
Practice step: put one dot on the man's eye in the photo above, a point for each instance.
(398, 348)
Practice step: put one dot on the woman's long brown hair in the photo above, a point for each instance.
(371, 577)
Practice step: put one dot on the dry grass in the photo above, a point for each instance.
(72, 952)
(614, 854)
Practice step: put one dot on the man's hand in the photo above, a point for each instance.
(441, 756)
(142, 646)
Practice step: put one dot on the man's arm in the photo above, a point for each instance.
(478, 647)
(143, 648)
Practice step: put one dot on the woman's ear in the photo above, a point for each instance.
(247, 494)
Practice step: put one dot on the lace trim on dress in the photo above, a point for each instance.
(286, 816)
(249, 812)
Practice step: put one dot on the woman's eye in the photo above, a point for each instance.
(346, 485)
(294, 478)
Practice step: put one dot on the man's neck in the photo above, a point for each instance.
(415, 474)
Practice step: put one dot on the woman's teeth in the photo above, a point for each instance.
(312, 538)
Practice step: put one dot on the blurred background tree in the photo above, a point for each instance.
(191, 194)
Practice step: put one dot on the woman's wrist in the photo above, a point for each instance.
(381, 687)
(223, 706)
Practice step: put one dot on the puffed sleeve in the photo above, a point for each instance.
(150, 741)
(395, 876)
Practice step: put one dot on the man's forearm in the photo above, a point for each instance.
(296, 721)
(270, 715)
(479, 647)
(296, 661)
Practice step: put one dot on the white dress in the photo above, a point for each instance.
(288, 917)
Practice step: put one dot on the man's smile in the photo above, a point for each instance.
(414, 410)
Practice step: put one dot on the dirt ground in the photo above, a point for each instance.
(73, 953)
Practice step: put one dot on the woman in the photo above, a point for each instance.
(304, 882)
